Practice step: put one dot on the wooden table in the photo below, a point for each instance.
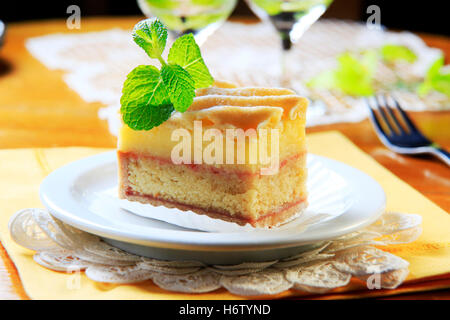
(37, 109)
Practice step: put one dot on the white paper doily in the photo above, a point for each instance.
(96, 63)
(61, 247)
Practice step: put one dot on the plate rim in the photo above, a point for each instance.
(54, 201)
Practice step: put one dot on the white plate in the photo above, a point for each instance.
(73, 194)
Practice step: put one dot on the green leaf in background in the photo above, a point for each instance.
(144, 102)
(426, 86)
(324, 80)
(352, 76)
(393, 53)
(355, 76)
(151, 35)
(186, 53)
(441, 83)
(180, 86)
(435, 68)
(435, 80)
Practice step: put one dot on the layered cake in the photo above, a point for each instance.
(236, 154)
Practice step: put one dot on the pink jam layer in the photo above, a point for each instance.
(285, 207)
(203, 167)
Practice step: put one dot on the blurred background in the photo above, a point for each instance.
(419, 16)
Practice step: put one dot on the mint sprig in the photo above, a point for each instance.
(150, 95)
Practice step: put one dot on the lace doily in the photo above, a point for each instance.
(97, 63)
(61, 247)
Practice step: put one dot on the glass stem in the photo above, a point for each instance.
(286, 45)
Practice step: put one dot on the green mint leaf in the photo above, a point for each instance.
(151, 35)
(393, 53)
(144, 102)
(180, 86)
(186, 53)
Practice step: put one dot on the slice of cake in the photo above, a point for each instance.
(236, 154)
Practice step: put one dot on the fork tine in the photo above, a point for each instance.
(374, 118)
(392, 114)
(411, 126)
(384, 115)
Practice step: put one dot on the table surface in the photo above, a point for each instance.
(37, 109)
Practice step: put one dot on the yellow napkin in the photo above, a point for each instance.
(22, 170)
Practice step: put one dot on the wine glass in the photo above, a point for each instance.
(199, 17)
(291, 18)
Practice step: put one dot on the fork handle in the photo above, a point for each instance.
(441, 154)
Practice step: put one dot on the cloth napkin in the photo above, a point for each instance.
(22, 171)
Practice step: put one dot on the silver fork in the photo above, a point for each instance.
(2, 32)
(396, 130)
